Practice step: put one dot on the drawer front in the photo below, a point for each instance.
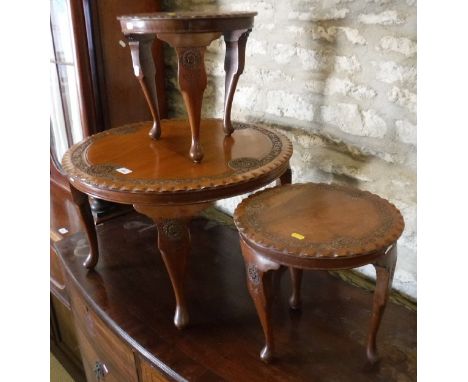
(56, 274)
(97, 368)
(151, 374)
(107, 346)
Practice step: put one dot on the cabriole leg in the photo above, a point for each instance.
(84, 209)
(145, 71)
(296, 274)
(190, 48)
(385, 268)
(174, 246)
(296, 280)
(234, 63)
(192, 83)
(259, 283)
(285, 178)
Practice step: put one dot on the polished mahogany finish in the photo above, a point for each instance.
(316, 226)
(102, 351)
(81, 201)
(64, 222)
(156, 177)
(120, 96)
(108, 97)
(189, 33)
(105, 91)
(63, 215)
(129, 295)
(161, 172)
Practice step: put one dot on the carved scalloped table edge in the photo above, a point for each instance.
(187, 15)
(382, 237)
(104, 177)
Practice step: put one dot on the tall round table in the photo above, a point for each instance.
(189, 33)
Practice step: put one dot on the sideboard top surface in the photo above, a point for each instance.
(130, 290)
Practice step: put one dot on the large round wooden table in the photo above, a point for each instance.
(160, 180)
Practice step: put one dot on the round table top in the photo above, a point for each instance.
(318, 221)
(186, 22)
(125, 165)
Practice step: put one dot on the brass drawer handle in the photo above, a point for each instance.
(100, 370)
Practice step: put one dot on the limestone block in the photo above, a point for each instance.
(352, 34)
(216, 47)
(246, 97)
(344, 116)
(318, 32)
(390, 72)
(285, 104)
(265, 9)
(345, 87)
(351, 120)
(283, 53)
(255, 47)
(347, 64)
(406, 131)
(317, 14)
(314, 59)
(315, 86)
(267, 76)
(315, 32)
(203, 2)
(389, 17)
(403, 97)
(265, 27)
(374, 125)
(381, 2)
(214, 67)
(401, 45)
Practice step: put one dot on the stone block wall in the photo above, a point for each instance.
(338, 77)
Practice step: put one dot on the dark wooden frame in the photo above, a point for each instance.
(94, 116)
(91, 76)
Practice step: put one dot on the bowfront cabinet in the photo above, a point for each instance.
(92, 88)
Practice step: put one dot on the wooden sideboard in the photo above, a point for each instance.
(108, 96)
(79, 338)
(122, 314)
(63, 341)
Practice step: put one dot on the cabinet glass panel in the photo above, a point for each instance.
(65, 117)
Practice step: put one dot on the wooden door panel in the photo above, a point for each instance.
(121, 95)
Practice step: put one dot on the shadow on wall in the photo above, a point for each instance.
(315, 51)
(291, 74)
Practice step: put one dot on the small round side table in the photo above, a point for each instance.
(321, 227)
(189, 33)
(122, 165)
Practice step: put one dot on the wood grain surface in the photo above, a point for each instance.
(131, 293)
